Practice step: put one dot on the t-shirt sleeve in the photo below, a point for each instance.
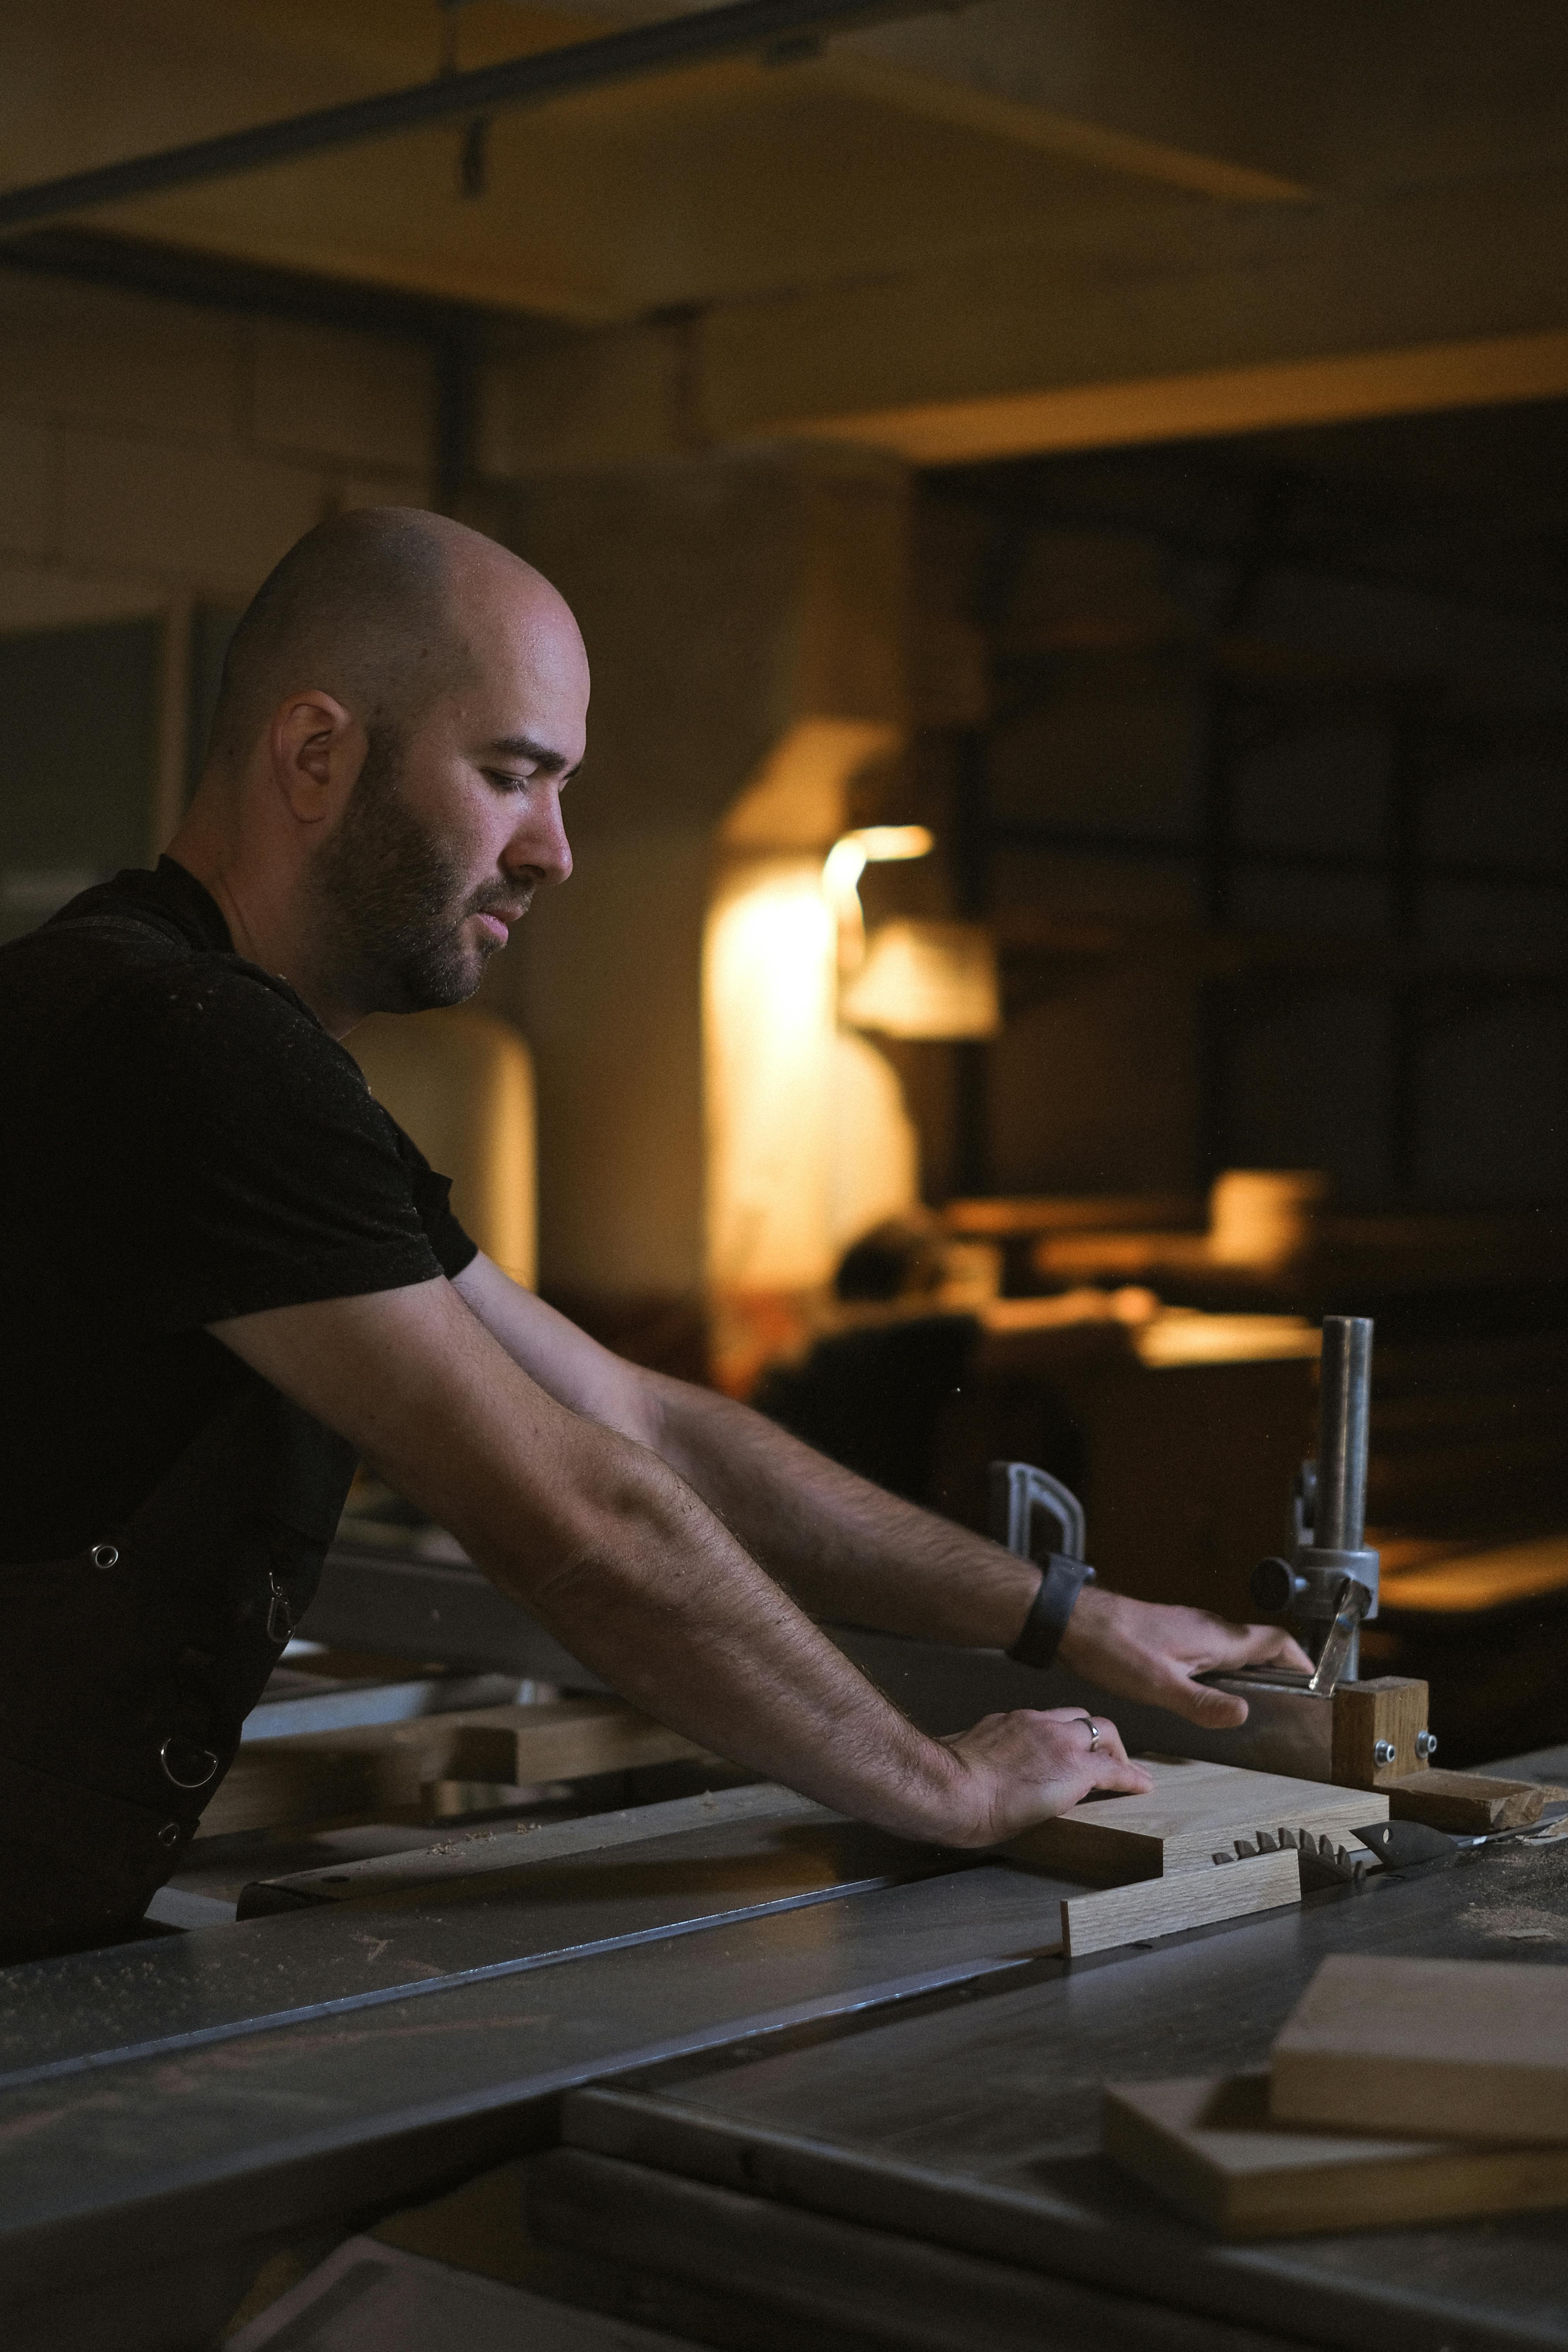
(227, 1157)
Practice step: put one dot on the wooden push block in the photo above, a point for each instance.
(1468, 1804)
(1192, 1813)
(1164, 1907)
(1385, 1712)
(1211, 2147)
(1434, 2049)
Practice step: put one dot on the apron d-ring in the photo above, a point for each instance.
(185, 1765)
(279, 1615)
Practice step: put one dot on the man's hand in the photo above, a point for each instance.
(1024, 1767)
(1138, 1649)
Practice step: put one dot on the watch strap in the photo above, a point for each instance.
(1061, 1581)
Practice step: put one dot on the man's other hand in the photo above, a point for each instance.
(1140, 1650)
(1023, 1768)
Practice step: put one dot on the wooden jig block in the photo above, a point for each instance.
(1374, 1731)
(1194, 1811)
(1468, 1804)
(1431, 2048)
(1192, 1898)
(1210, 2145)
(1361, 1735)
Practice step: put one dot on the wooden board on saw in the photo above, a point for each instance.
(1147, 1907)
(1437, 2049)
(1194, 1811)
(1210, 2145)
(382, 1767)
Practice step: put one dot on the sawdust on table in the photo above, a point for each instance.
(1516, 1923)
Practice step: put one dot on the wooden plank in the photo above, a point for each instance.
(1164, 1906)
(1468, 1803)
(1386, 1708)
(1194, 1811)
(329, 1776)
(1440, 2049)
(505, 1845)
(1209, 2144)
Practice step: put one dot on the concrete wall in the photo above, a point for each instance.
(154, 456)
(743, 616)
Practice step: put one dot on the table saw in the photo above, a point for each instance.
(763, 2077)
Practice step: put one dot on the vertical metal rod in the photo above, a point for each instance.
(1344, 1394)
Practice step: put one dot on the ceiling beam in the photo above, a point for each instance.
(943, 99)
(779, 30)
(1483, 372)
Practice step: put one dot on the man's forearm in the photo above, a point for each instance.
(669, 1608)
(847, 1549)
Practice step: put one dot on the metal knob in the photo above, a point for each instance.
(1426, 1743)
(1383, 1751)
(1275, 1586)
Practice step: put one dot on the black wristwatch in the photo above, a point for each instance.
(1061, 1581)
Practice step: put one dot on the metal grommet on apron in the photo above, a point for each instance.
(165, 1658)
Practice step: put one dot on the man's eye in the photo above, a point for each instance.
(506, 782)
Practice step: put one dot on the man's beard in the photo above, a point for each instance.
(394, 895)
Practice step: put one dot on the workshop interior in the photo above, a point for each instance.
(1062, 1005)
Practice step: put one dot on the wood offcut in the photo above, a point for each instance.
(1210, 2146)
(1165, 1907)
(1437, 2049)
(1466, 1804)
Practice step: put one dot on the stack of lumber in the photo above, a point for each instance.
(1399, 2091)
(383, 1770)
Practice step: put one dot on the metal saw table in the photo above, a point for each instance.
(905, 2158)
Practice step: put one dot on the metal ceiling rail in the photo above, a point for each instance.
(784, 27)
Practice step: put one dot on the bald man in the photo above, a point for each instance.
(230, 1275)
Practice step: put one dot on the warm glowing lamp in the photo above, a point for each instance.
(926, 980)
(872, 844)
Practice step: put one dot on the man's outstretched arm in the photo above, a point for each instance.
(849, 1551)
(605, 1543)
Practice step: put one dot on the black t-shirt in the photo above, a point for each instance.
(182, 1141)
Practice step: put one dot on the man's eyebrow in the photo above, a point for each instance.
(524, 747)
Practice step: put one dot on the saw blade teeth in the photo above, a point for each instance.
(1268, 1843)
(1289, 1838)
(1246, 1850)
(1224, 1857)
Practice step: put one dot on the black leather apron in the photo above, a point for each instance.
(127, 1669)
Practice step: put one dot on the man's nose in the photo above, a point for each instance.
(540, 842)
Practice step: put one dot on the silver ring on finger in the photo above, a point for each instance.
(1093, 1731)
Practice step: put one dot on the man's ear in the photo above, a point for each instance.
(318, 748)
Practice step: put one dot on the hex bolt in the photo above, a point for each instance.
(1426, 1743)
(1383, 1751)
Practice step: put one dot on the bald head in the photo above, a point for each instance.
(383, 607)
(401, 705)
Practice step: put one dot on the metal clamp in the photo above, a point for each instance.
(1328, 1512)
(1033, 1514)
